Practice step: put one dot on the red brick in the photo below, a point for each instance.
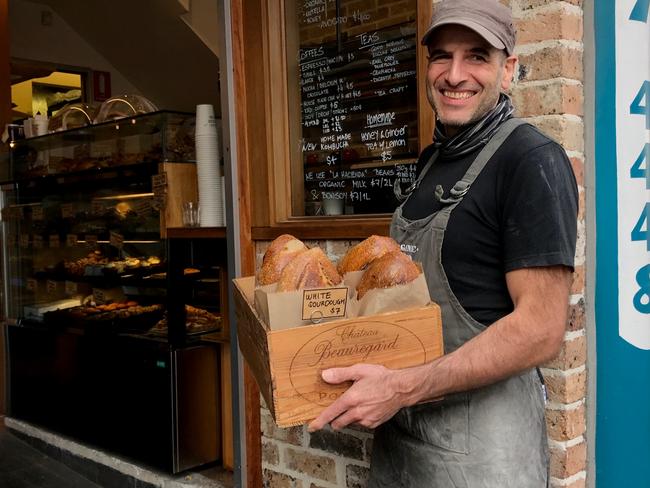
(292, 435)
(572, 355)
(552, 98)
(547, 25)
(338, 443)
(529, 4)
(320, 467)
(568, 462)
(564, 425)
(273, 479)
(577, 318)
(566, 130)
(578, 285)
(551, 62)
(270, 452)
(356, 476)
(566, 389)
(578, 165)
(582, 204)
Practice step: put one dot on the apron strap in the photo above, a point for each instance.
(397, 189)
(463, 185)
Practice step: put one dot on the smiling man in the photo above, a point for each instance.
(492, 219)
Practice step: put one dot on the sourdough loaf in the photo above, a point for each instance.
(309, 269)
(364, 253)
(279, 253)
(393, 268)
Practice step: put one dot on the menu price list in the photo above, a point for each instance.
(366, 190)
(358, 113)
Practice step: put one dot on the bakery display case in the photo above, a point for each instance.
(115, 334)
(152, 137)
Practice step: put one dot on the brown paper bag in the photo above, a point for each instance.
(283, 310)
(380, 300)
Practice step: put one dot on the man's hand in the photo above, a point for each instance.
(374, 397)
(530, 335)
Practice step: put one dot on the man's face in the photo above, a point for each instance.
(465, 76)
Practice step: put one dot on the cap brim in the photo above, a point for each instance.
(479, 29)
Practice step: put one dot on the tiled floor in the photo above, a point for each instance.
(22, 466)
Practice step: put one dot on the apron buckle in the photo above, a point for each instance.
(456, 194)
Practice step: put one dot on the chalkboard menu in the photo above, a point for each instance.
(358, 103)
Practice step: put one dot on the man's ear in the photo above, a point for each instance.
(508, 72)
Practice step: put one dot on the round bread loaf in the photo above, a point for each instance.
(310, 269)
(279, 253)
(393, 268)
(361, 255)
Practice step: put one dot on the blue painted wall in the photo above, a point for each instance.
(623, 371)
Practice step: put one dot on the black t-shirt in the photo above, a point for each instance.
(520, 212)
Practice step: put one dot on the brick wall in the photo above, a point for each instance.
(549, 93)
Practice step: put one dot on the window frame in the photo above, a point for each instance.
(268, 128)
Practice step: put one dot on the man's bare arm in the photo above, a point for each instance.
(529, 336)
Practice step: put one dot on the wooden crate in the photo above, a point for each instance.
(287, 363)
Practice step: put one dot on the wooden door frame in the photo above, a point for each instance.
(5, 118)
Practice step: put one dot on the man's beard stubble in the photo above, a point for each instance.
(481, 111)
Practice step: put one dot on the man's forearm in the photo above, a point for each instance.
(527, 337)
(489, 357)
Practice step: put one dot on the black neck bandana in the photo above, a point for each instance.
(473, 136)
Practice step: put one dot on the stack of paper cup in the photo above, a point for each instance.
(40, 124)
(208, 155)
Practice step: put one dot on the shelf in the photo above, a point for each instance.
(91, 174)
(196, 232)
(158, 137)
(220, 337)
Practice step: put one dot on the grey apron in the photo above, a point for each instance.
(492, 437)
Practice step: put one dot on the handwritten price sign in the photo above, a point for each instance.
(318, 304)
(117, 240)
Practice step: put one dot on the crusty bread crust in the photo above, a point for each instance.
(279, 253)
(393, 268)
(364, 253)
(310, 269)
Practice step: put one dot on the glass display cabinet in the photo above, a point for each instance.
(114, 335)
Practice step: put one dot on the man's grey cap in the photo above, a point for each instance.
(488, 18)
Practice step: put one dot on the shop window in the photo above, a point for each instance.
(336, 86)
(353, 124)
